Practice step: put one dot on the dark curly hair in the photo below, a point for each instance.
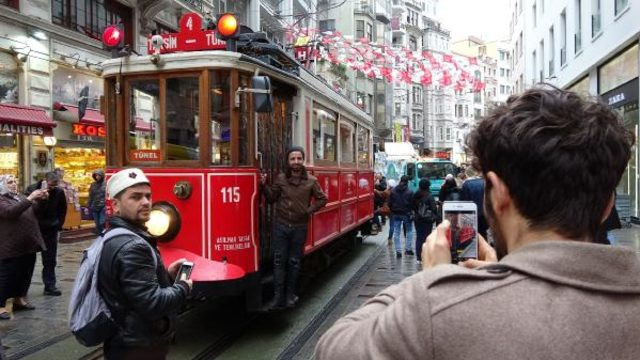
(560, 155)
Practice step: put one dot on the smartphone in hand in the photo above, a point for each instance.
(463, 232)
(185, 271)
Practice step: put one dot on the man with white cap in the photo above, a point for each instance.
(142, 298)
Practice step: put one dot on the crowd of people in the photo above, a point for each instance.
(408, 210)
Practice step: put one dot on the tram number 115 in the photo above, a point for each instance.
(230, 194)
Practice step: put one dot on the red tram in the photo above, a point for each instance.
(196, 124)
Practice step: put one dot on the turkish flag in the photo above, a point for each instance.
(446, 78)
(426, 78)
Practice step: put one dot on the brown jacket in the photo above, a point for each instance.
(548, 300)
(19, 230)
(293, 198)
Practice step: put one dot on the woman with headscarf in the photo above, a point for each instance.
(20, 240)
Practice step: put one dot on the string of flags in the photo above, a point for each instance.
(392, 63)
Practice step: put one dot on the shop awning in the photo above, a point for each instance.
(69, 113)
(25, 120)
(142, 125)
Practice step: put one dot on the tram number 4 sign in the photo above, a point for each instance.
(190, 38)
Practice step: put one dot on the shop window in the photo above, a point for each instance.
(244, 126)
(8, 79)
(182, 118)
(144, 120)
(90, 17)
(621, 69)
(9, 164)
(79, 165)
(220, 117)
(363, 147)
(347, 142)
(324, 134)
(70, 86)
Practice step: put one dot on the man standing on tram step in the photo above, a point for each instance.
(51, 214)
(132, 280)
(292, 192)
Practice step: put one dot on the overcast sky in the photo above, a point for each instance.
(488, 19)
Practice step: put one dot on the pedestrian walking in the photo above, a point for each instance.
(582, 299)
(143, 299)
(292, 192)
(20, 240)
(473, 190)
(50, 213)
(96, 202)
(400, 203)
(379, 198)
(392, 184)
(426, 213)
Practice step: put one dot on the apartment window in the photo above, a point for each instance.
(398, 109)
(359, 29)
(542, 6)
(563, 37)
(595, 18)
(90, 17)
(11, 3)
(417, 95)
(466, 110)
(578, 34)
(440, 133)
(417, 122)
(369, 32)
(542, 64)
(535, 15)
(327, 25)
(448, 133)
(413, 43)
(552, 51)
(501, 89)
(621, 5)
(502, 72)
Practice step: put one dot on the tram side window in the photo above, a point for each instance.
(182, 118)
(347, 142)
(363, 147)
(245, 121)
(144, 120)
(324, 134)
(219, 100)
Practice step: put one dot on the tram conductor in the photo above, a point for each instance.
(292, 192)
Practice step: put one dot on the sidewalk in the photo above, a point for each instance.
(29, 332)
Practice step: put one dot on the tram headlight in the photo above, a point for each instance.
(164, 221)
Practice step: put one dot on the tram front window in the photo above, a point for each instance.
(219, 117)
(144, 118)
(182, 118)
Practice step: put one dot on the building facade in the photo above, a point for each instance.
(591, 47)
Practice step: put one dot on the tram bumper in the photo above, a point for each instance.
(204, 270)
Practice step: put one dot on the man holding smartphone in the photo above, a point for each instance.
(551, 162)
(141, 294)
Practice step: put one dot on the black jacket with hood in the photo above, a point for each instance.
(142, 298)
(400, 200)
(97, 192)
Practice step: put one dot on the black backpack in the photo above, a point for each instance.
(424, 212)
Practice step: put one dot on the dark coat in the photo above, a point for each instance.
(97, 192)
(51, 211)
(473, 190)
(20, 234)
(142, 298)
(420, 196)
(292, 197)
(400, 200)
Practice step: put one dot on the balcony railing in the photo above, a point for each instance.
(595, 24)
(364, 7)
(563, 56)
(578, 41)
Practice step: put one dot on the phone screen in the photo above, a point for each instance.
(463, 234)
(185, 269)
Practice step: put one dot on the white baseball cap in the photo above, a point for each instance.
(125, 179)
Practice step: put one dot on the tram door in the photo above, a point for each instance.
(274, 137)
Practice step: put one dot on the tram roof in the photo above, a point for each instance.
(183, 61)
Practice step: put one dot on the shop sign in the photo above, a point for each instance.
(442, 155)
(190, 38)
(22, 129)
(89, 130)
(144, 155)
(622, 95)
